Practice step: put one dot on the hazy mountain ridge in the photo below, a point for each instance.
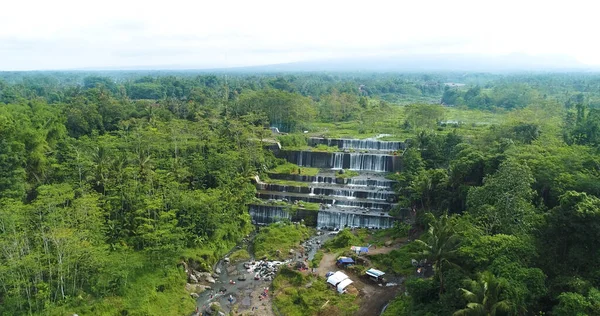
(402, 63)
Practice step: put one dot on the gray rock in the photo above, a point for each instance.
(388, 243)
(210, 279)
(193, 279)
(194, 295)
(218, 270)
(190, 287)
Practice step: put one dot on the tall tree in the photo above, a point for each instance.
(440, 245)
(486, 297)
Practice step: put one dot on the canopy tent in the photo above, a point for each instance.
(375, 273)
(342, 286)
(345, 260)
(359, 249)
(336, 278)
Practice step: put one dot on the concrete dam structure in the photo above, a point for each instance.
(360, 201)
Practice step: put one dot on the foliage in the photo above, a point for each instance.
(290, 168)
(577, 304)
(503, 203)
(400, 306)
(314, 263)
(439, 245)
(342, 241)
(293, 140)
(397, 261)
(346, 174)
(423, 115)
(296, 294)
(486, 296)
(108, 180)
(239, 255)
(275, 240)
(576, 220)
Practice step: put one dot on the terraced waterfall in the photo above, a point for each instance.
(361, 201)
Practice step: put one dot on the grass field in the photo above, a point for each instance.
(470, 122)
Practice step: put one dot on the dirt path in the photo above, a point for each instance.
(327, 264)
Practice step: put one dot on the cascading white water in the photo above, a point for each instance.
(337, 161)
(312, 191)
(265, 214)
(370, 144)
(347, 219)
(368, 162)
(361, 182)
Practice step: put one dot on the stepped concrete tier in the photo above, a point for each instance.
(359, 181)
(333, 190)
(359, 201)
(267, 214)
(358, 144)
(331, 217)
(339, 160)
(322, 199)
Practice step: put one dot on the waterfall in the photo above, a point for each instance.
(337, 161)
(350, 203)
(370, 144)
(369, 162)
(312, 191)
(361, 182)
(336, 219)
(357, 144)
(266, 214)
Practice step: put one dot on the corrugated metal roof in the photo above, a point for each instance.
(375, 273)
(346, 260)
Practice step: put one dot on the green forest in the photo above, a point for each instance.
(110, 180)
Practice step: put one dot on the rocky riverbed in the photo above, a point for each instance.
(238, 286)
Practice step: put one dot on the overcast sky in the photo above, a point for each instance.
(70, 34)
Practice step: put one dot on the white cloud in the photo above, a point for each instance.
(63, 34)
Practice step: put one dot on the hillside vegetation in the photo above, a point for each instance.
(108, 183)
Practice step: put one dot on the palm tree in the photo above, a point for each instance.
(440, 245)
(485, 297)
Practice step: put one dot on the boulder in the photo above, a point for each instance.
(292, 251)
(210, 279)
(214, 275)
(201, 288)
(226, 260)
(213, 308)
(190, 287)
(194, 295)
(388, 243)
(218, 270)
(242, 277)
(193, 279)
(202, 275)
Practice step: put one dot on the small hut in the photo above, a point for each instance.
(375, 275)
(345, 262)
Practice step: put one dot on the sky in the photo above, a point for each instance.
(120, 34)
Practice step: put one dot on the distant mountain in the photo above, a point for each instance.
(400, 63)
(419, 63)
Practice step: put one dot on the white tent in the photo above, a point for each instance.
(336, 278)
(342, 286)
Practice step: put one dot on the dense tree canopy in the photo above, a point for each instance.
(109, 179)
